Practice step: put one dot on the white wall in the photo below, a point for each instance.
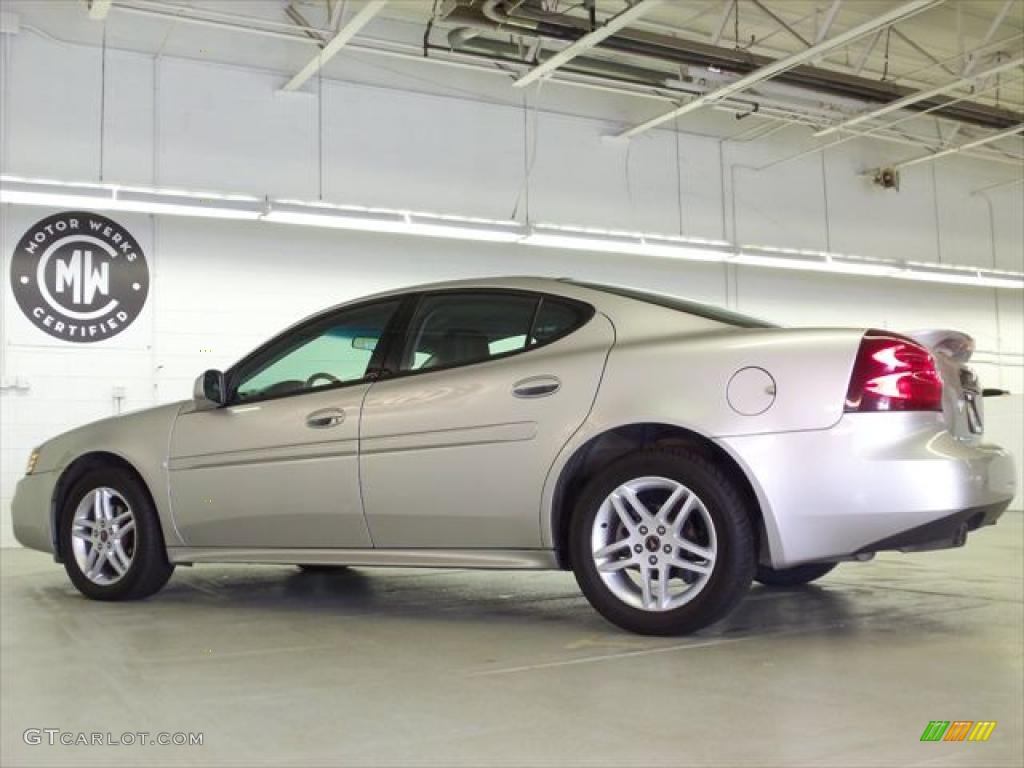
(224, 286)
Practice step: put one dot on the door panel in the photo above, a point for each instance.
(256, 475)
(280, 467)
(456, 458)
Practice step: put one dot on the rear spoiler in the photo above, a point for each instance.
(954, 345)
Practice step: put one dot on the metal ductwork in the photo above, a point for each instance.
(769, 96)
(521, 19)
(470, 40)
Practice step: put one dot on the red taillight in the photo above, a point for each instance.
(893, 373)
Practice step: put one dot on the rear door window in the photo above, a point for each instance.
(557, 317)
(461, 328)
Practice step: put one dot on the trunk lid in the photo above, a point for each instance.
(962, 402)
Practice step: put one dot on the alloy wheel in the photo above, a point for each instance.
(103, 536)
(653, 543)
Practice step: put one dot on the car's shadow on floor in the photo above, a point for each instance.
(483, 598)
(490, 599)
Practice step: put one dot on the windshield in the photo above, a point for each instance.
(682, 305)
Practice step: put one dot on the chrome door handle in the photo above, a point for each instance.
(537, 386)
(324, 418)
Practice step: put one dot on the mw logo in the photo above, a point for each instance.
(83, 278)
(958, 730)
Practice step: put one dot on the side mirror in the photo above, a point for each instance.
(210, 390)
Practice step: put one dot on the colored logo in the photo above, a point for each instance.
(958, 730)
(79, 276)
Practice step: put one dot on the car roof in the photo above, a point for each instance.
(612, 300)
(523, 283)
(631, 315)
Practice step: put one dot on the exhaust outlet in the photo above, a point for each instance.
(960, 538)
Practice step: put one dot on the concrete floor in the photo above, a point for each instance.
(392, 667)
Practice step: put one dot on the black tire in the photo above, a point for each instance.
(797, 576)
(149, 569)
(322, 568)
(735, 563)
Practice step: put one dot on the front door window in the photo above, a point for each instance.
(336, 350)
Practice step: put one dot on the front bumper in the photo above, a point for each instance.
(32, 512)
(873, 482)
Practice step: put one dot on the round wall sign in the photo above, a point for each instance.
(79, 276)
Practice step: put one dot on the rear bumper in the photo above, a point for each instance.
(873, 482)
(944, 533)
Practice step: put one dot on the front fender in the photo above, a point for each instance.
(139, 439)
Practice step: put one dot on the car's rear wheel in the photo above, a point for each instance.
(110, 537)
(796, 576)
(661, 543)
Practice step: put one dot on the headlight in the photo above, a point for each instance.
(33, 459)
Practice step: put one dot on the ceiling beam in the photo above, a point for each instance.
(924, 52)
(781, 22)
(295, 15)
(349, 30)
(98, 9)
(781, 65)
(588, 41)
(914, 98)
(866, 53)
(975, 57)
(334, 13)
(998, 185)
(730, 6)
(830, 17)
(960, 148)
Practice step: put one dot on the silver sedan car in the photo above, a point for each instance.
(667, 452)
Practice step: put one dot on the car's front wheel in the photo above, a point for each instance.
(661, 543)
(110, 537)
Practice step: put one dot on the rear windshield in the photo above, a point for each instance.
(682, 305)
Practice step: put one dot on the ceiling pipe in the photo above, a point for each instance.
(484, 63)
(345, 33)
(463, 39)
(588, 41)
(778, 107)
(459, 36)
(907, 101)
(780, 66)
(958, 149)
(224, 26)
(672, 51)
(189, 11)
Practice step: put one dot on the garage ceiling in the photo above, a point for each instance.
(953, 67)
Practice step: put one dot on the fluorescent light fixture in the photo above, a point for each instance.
(334, 216)
(634, 243)
(464, 228)
(17, 190)
(814, 261)
(823, 261)
(979, 278)
(396, 222)
(114, 197)
(187, 204)
(57, 194)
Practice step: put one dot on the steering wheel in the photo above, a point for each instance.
(322, 375)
